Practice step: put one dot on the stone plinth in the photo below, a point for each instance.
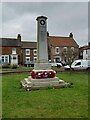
(31, 84)
(43, 78)
(42, 66)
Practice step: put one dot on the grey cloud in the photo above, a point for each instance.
(63, 17)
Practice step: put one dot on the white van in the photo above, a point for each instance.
(80, 65)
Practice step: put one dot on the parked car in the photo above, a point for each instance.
(54, 64)
(67, 67)
(79, 65)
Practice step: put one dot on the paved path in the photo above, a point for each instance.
(13, 71)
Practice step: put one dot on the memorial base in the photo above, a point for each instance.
(31, 84)
(43, 78)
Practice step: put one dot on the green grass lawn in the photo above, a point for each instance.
(51, 103)
(0, 96)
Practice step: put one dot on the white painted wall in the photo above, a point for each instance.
(14, 59)
(86, 54)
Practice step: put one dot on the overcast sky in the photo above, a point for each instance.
(63, 18)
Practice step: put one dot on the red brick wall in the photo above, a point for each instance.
(24, 55)
(8, 51)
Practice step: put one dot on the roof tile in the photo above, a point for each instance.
(62, 41)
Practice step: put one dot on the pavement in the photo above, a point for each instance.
(13, 71)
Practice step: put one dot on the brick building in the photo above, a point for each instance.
(63, 48)
(29, 52)
(10, 50)
(16, 51)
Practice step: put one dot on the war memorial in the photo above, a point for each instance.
(42, 76)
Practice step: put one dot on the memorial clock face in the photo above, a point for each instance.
(42, 22)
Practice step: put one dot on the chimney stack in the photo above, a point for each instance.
(47, 34)
(89, 43)
(71, 35)
(19, 37)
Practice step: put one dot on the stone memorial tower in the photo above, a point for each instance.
(42, 46)
(42, 76)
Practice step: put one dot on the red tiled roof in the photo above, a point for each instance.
(62, 41)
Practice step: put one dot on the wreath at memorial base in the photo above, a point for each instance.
(42, 74)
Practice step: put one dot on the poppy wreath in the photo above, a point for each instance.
(42, 74)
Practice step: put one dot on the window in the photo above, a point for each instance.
(13, 50)
(2, 59)
(35, 51)
(65, 49)
(57, 50)
(35, 59)
(72, 48)
(79, 63)
(27, 59)
(27, 51)
(5, 59)
(57, 59)
(14, 58)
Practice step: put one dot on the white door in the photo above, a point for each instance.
(14, 59)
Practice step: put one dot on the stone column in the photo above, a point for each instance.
(42, 45)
